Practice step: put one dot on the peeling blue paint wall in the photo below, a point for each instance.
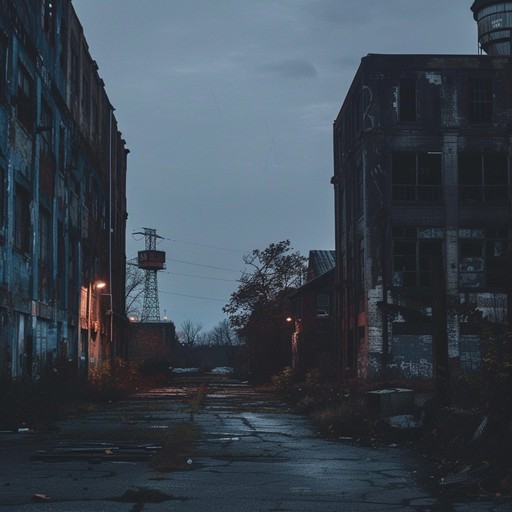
(57, 132)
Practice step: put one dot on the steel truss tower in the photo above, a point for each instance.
(151, 261)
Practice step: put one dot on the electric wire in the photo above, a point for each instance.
(203, 277)
(193, 296)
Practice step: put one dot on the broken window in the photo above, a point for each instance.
(481, 262)
(322, 304)
(483, 176)
(407, 99)
(496, 245)
(417, 176)
(480, 100)
(22, 219)
(413, 251)
(24, 101)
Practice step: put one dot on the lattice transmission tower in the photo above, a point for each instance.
(151, 261)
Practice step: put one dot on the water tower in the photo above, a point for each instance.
(494, 18)
(151, 261)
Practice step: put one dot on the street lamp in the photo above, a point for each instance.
(93, 286)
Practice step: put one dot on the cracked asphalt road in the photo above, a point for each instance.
(252, 456)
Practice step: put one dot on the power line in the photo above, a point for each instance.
(205, 266)
(203, 277)
(198, 244)
(194, 296)
(208, 246)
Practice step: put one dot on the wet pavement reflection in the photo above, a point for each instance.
(252, 455)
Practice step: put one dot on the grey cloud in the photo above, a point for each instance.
(291, 68)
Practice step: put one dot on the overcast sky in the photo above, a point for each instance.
(227, 108)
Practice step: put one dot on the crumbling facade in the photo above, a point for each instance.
(62, 197)
(423, 211)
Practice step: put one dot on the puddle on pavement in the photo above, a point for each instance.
(146, 495)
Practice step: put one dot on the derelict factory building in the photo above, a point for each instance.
(62, 197)
(422, 177)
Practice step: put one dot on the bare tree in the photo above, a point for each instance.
(134, 291)
(190, 332)
(223, 335)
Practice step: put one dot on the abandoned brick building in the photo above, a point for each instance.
(313, 341)
(422, 150)
(62, 197)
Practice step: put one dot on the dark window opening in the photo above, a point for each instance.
(412, 256)
(480, 100)
(22, 220)
(323, 304)
(483, 177)
(481, 260)
(407, 99)
(24, 104)
(417, 177)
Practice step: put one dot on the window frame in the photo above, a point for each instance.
(414, 271)
(419, 188)
(480, 100)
